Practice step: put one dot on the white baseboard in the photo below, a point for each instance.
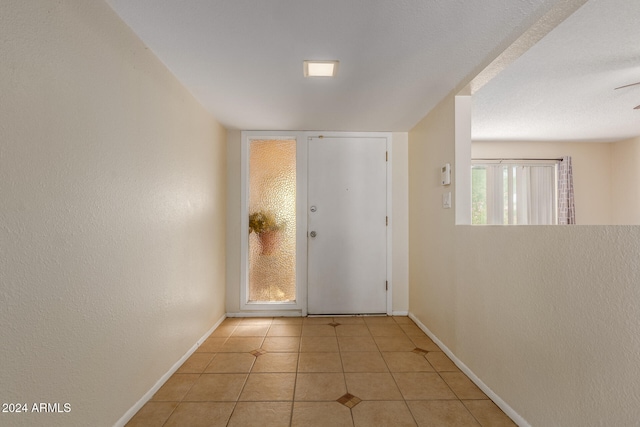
(283, 313)
(148, 395)
(511, 413)
(299, 314)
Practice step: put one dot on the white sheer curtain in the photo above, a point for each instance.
(521, 193)
(495, 194)
(535, 195)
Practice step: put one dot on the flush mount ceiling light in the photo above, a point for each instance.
(320, 68)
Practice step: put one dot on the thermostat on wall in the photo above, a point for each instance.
(445, 174)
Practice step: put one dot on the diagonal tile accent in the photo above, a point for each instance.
(418, 350)
(349, 400)
(334, 324)
(258, 352)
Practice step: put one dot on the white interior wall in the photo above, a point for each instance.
(546, 316)
(112, 181)
(592, 173)
(400, 265)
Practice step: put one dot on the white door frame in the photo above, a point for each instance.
(299, 307)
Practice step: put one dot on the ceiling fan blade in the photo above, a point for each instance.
(632, 84)
(637, 107)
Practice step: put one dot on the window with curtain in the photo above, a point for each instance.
(514, 192)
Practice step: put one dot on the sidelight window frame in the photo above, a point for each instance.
(288, 308)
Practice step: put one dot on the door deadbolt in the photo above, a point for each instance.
(312, 234)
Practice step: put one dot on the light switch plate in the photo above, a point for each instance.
(446, 200)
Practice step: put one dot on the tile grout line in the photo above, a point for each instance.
(344, 374)
(471, 413)
(450, 388)
(235, 404)
(171, 413)
(396, 382)
(295, 381)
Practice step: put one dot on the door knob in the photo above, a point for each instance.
(313, 209)
(312, 234)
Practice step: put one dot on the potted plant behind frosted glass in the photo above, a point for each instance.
(267, 229)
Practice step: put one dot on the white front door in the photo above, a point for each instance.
(347, 225)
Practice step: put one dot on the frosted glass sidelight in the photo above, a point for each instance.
(272, 220)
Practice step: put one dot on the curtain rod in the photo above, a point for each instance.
(556, 159)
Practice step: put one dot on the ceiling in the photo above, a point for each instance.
(242, 60)
(563, 87)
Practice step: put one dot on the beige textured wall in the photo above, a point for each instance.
(234, 218)
(400, 218)
(548, 317)
(625, 185)
(431, 244)
(112, 182)
(592, 174)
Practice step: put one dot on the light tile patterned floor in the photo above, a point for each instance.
(319, 371)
